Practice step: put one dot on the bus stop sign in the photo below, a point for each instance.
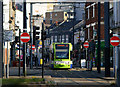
(115, 41)
(86, 44)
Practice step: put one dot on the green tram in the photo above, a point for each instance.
(61, 55)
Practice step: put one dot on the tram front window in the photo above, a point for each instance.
(62, 51)
(63, 55)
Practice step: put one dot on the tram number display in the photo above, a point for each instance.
(62, 46)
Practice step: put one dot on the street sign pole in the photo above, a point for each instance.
(86, 57)
(86, 45)
(31, 64)
(19, 51)
(36, 54)
(7, 67)
(115, 41)
(42, 51)
(24, 45)
(25, 72)
(1, 39)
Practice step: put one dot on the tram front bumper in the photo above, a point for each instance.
(62, 66)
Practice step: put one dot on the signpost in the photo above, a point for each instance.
(86, 45)
(115, 41)
(8, 37)
(25, 37)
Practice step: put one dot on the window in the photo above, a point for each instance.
(62, 38)
(62, 51)
(88, 14)
(55, 38)
(51, 39)
(66, 38)
(51, 15)
(55, 14)
(93, 11)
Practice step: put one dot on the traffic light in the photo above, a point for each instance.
(36, 33)
(43, 37)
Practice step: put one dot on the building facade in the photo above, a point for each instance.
(91, 10)
(54, 17)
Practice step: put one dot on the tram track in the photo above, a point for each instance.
(57, 72)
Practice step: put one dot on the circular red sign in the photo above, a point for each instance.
(115, 41)
(86, 44)
(33, 47)
(25, 37)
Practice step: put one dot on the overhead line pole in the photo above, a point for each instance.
(19, 51)
(98, 48)
(24, 44)
(31, 64)
(73, 26)
(42, 51)
(107, 39)
(1, 40)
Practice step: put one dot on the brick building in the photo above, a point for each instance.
(53, 17)
(91, 10)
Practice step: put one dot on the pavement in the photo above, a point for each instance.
(71, 77)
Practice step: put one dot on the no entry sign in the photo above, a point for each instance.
(115, 41)
(25, 37)
(86, 44)
(33, 47)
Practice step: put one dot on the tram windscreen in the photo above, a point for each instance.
(62, 51)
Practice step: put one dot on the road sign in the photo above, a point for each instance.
(33, 47)
(115, 41)
(25, 37)
(86, 44)
(8, 36)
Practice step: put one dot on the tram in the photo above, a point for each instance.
(61, 55)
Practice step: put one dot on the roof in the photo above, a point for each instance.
(66, 26)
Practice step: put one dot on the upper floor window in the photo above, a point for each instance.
(51, 39)
(62, 38)
(66, 38)
(88, 13)
(93, 11)
(55, 38)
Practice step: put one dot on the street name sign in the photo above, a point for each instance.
(8, 36)
(86, 44)
(115, 41)
(25, 37)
